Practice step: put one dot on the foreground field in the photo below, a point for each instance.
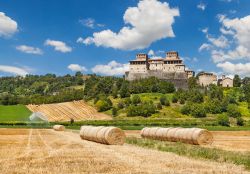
(47, 151)
(77, 110)
(226, 140)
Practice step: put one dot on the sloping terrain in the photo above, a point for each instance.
(46, 151)
(77, 110)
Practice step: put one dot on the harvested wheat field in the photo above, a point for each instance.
(47, 151)
(226, 140)
(77, 110)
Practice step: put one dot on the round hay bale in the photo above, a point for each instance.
(83, 131)
(105, 135)
(202, 137)
(145, 132)
(184, 133)
(189, 134)
(58, 127)
(158, 133)
(179, 134)
(171, 134)
(142, 133)
(100, 135)
(164, 133)
(115, 136)
(152, 132)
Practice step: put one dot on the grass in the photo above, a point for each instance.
(193, 151)
(14, 113)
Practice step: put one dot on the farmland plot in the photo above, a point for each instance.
(47, 151)
(77, 110)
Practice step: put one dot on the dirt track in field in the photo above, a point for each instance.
(226, 140)
(46, 151)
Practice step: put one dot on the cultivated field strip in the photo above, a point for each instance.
(77, 110)
(47, 151)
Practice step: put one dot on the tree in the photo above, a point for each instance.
(102, 105)
(215, 92)
(236, 81)
(192, 83)
(223, 120)
(114, 111)
(198, 110)
(124, 91)
(78, 74)
(164, 101)
(174, 99)
(233, 111)
(136, 99)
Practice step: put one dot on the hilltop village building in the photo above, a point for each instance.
(225, 82)
(206, 78)
(171, 68)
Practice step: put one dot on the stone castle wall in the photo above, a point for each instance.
(179, 79)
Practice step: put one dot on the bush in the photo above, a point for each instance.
(223, 120)
(159, 106)
(145, 110)
(103, 105)
(195, 96)
(136, 99)
(233, 111)
(127, 101)
(186, 109)
(240, 121)
(198, 110)
(174, 99)
(164, 101)
(213, 106)
(120, 105)
(182, 101)
(114, 111)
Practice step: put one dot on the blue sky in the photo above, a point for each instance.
(97, 36)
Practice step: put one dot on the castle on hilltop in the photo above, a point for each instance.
(171, 68)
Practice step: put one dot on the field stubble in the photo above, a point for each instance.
(46, 151)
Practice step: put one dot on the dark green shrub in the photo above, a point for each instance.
(240, 121)
(195, 96)
(114, 111)
(159, 106)
(127, 101)
(174, 99)
(164, 101)
(198, 110)
(103, 105)
(233, 111)
(182, 101)
(213, 106)
(186, 109)
(136, 99)
(120, 105)
(223, 120)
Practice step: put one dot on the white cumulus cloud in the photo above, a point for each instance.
(205, 46)
(58, 45)
(201, 6)
(29, 49)
(238, 68)
(150, 21)
(77, 67)
(111, 69)
(7, 25)
(14, 70)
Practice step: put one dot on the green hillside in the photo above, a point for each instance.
(14, 113)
